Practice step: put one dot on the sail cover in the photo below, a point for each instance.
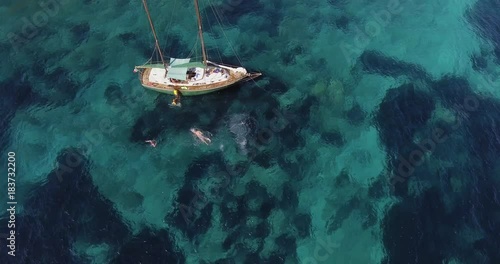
(178, 73)
(175, 61)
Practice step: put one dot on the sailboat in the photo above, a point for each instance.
(186, 76)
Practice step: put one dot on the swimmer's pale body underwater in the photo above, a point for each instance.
(151, 142)
(200, 136)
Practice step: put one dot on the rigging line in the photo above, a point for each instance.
(150, 58)
(193, 49)
(152, 55)
(218, 53)
(154, 32)
(253, 80)
(218, 17)
(215, 42)
(169, 26)
(221, 23)
(209, 21)
(200, 31)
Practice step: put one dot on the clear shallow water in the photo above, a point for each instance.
(372, 137)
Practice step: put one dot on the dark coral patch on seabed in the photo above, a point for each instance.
(484, 17)
(403, 111)
(69, 199)
(377, 63)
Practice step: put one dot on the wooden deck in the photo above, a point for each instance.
(234, 77)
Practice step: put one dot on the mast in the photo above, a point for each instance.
(154, 34)
(200, 32)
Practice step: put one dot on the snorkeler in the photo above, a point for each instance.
(177, 99)
(152, 142)
(200, 136)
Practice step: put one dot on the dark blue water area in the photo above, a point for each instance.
(18, 93)
(421, 229)
(68, 207)
(486, 21)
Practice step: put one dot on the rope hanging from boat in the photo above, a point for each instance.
(157, 44)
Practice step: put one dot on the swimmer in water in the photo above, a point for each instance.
(152, 142)
(200, 136)
(177, 99)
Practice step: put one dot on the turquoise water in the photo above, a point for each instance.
(372, 136)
